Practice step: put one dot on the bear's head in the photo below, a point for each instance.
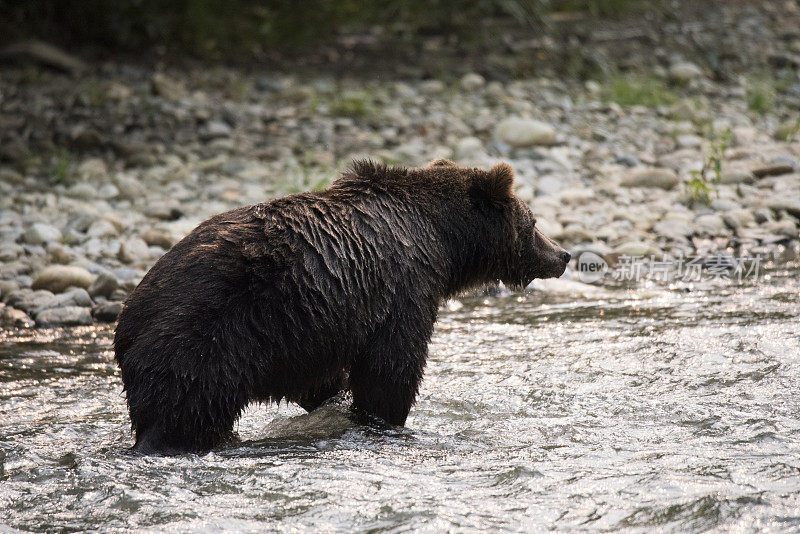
(517, 251)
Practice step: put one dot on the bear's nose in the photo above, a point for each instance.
(566, 256)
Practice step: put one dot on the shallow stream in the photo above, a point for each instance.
(635, 410)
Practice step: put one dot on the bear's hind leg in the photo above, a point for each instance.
(176, 414)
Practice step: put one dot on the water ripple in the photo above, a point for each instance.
(633, 410)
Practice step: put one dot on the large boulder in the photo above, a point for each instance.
(57, 278)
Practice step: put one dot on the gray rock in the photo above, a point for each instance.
(772, 169)
(87, 138)
(784, 227)
(682, 110)
(80, 297)
(13, 317)
(80, 222)
(736, 175)
(738, 218)
(215, 130)
(10, 251)
(763, 215)
(785, 159)
(66, 316)
(157, 238)
(550, 185)
(724, 204)
(550, 228)
(119, 294)
(627, 160)
(166, 211)
(128, 277)
(634, 249)
(658, 178)
(601, 249)
(117, 91)
(40, 233)
(108, 191)
(29, 300)
(711, 224)
(574, 233)
(689, 141)
(107, 312)
(57, 278)
(57, 253)
(10, 176)
(520, 133)
(83, 190)
(129, 188)
(469, 149)
(472, 81)
(76, 297)
(789, 205)
(102, 228)
(684, 71)
(7, 287)
(432, 87)
(165, 87)
(92, 170)
(134, 250)
(14, 269)
(677, 230)
(103, 286)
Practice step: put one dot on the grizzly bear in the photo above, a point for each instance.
(308, 295)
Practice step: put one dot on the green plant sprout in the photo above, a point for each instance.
(701, 187)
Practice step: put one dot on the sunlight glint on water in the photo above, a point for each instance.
(632, 410)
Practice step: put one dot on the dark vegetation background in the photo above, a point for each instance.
(500, 39)
(241, 27)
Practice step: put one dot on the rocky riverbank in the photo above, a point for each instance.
(101, 175)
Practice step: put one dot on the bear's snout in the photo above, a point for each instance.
(552, 258)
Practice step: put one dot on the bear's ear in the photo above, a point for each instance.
(441, 162)
(495, 186)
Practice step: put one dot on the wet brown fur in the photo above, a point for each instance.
(301, 297)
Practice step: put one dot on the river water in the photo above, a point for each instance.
(621, 409)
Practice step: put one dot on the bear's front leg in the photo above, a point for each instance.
(385, 380)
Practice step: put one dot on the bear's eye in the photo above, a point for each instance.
(534, 222)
